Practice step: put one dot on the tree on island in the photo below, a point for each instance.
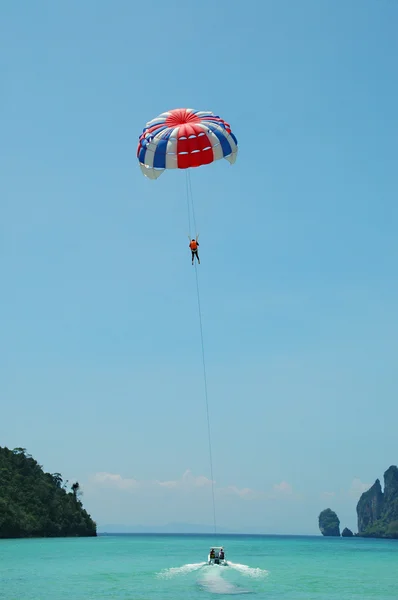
(76, 491)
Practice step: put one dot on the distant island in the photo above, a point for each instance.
(377, 511)
(329, 523)
(38, 504)
(169, 528)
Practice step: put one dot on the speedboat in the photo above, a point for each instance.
(216, 556)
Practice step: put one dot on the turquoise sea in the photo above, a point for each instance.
(146, 567)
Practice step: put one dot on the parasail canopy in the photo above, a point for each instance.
(182, 138)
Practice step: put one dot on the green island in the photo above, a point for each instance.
(377, 511)
(38, 504)
(329, 523)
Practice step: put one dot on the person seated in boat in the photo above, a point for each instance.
(212, 553)
(221, 553)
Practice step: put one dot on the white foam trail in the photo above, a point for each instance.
(212, 581)
(174, 571)
(249, 571)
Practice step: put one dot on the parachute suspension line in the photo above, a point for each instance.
(207, 400)
(188, 205)
(191, 207)
(191, 197)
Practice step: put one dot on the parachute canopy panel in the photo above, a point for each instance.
(183, 138)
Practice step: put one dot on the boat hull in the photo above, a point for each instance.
(217, 561)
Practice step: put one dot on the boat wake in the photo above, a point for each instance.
(217, 579)
(184, 570)
(213, 581)
(249, 571)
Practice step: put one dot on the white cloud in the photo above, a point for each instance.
(114, 480)
(328, 494)
(168, 484)
(357, 487)
(278, 490)
(241, 492)
(188, 482)
(283, 488)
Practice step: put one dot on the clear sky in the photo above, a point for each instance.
(100, 372)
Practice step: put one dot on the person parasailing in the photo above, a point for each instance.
(183, 139)
(194, 245)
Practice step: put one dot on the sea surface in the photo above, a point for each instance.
(154, 567)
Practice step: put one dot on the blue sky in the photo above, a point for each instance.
(99, 344)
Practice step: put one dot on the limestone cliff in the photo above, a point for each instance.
(377, 511)
(329, 523)
(370, 506)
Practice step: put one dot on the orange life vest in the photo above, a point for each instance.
(193, 245)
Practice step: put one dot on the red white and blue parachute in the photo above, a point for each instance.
(184, 138)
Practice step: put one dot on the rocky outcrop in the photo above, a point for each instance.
(377, 511)
(329, 523)
(347, 532)
(391, 485)
(370, 506)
